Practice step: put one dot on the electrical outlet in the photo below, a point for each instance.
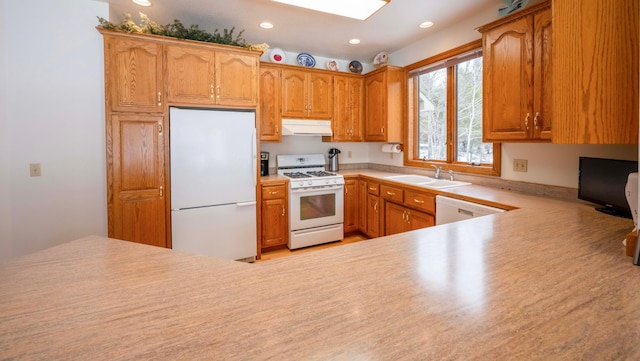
(519, 165)
(349, 154)
(35, 170)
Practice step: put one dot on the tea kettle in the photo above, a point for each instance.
(333, 159)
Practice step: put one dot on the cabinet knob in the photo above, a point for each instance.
(535, 120)
(161, 191)
(218, 91)
(211, 91)
(526, 121)
(159, 99)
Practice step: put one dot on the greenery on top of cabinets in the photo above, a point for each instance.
(178, 30)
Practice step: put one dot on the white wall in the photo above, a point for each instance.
(52, 112)
(350, 152)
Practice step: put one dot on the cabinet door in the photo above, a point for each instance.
(356, 108)
(134, 75)
(270, 115)
(362, 204)
(341, 124)
(274, 223)
(375, 111)
(136, 180)
(508, 81)
(294, 102)
(373, 216)
(595, 65)
(417, 220)
(350, 205)
(542, 75)
(190, 78)
(236, 79)
(394, 219)
(320, 96)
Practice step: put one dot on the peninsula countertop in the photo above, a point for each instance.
(548, 281)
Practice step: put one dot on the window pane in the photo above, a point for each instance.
(470, 148)
(432, 115)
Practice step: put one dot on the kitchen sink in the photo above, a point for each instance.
(424, 181)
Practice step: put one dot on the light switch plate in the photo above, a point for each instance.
(35, 170)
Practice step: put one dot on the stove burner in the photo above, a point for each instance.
(321, 173)
(297, 175)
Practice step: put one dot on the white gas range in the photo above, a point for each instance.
(316, 200)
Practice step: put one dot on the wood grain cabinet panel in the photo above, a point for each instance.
(199, 75)
(384, 104)
(517, 76)
(351, 208)
(270, 112)
(133, 75)
(595, 71)
(400, 219)
(274, 214)
(236, 79)
(307, 94)
(135, 178)
(348, 95)
(190, 75)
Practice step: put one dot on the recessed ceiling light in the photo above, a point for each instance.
(356, 9)
(426, 24)
(266, 25)
(142, 2)
(354, 41)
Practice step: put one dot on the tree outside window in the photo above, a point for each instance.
(445, 113)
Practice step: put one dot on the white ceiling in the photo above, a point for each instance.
(298, 30)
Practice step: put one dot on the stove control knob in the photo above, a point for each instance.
(301, 183)
(326, 181)
(309, 182)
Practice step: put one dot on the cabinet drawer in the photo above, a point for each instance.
(274, 192)
(392, 193)
(422, 201)
(373, 188)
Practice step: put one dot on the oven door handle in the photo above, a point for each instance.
(318, 189)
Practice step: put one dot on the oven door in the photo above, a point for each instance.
(316, 207)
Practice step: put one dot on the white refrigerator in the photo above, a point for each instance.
(213, 182)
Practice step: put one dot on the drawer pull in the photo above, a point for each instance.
(390, 193)
(373, 189)
(276, 192)
(418, 201)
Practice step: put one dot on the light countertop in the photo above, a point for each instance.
(547, 281)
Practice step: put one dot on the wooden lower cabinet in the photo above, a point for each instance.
(362, 205)
(400, 219)
(373, 216)
(351, 205)
(136, 204)
(274, 218)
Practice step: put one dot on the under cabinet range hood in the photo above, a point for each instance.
(304, 127)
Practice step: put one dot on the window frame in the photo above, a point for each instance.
(410, 141)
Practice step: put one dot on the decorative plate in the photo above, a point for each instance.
(332, 64)
(381, 59)
(277, 55)
(307, 60)
(355, 67)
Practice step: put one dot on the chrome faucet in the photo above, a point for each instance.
(450, 175)
(438, 170)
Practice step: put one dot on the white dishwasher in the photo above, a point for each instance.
(452, 210)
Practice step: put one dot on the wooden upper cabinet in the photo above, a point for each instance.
(190, 75)
(384, 99)
(595, 71)
(348, 94)
(136, 179)
(133, 74)
(517, 75)
(236, 78)
(307, 94)
(199, 75)
(270, 113)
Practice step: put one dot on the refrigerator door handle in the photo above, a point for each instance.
(254, 156)
(244, 204)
